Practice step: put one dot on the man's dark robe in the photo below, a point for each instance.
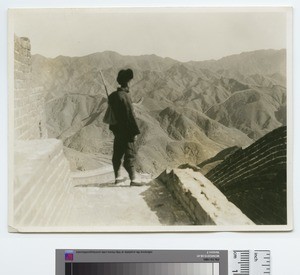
(121, 104)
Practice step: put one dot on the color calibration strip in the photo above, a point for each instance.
(163, 262)
(142, 268)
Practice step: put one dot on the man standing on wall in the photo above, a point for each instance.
(125, 130)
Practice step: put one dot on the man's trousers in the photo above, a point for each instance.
(127, 149)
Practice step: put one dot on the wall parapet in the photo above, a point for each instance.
(42, 183)
(29, 102)
(255, 179)
(41, 179)
(204, 202)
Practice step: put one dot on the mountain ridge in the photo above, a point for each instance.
(188, 112)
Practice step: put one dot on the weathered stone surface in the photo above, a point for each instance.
(254, 179)
(29, 114)
(201, 199)
(42, 183)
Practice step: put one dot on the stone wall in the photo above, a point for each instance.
(201, 199)
(254, 179)
(42, 184)
(29, 116)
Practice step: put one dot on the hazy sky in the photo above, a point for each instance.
(189, 35)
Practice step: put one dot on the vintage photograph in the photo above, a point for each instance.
(150, 119)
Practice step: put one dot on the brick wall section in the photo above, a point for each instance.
(254, 179)
(42, 184)
(205, 204)
(42, 181)
(29, 116)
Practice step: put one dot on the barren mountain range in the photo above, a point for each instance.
(189, 111)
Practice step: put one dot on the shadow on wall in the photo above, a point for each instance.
(254, 179)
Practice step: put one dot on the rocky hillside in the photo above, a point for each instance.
(254, 178)
(189, 112)
(253, 111)
(266, 64)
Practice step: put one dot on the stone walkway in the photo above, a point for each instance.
(101, 203)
